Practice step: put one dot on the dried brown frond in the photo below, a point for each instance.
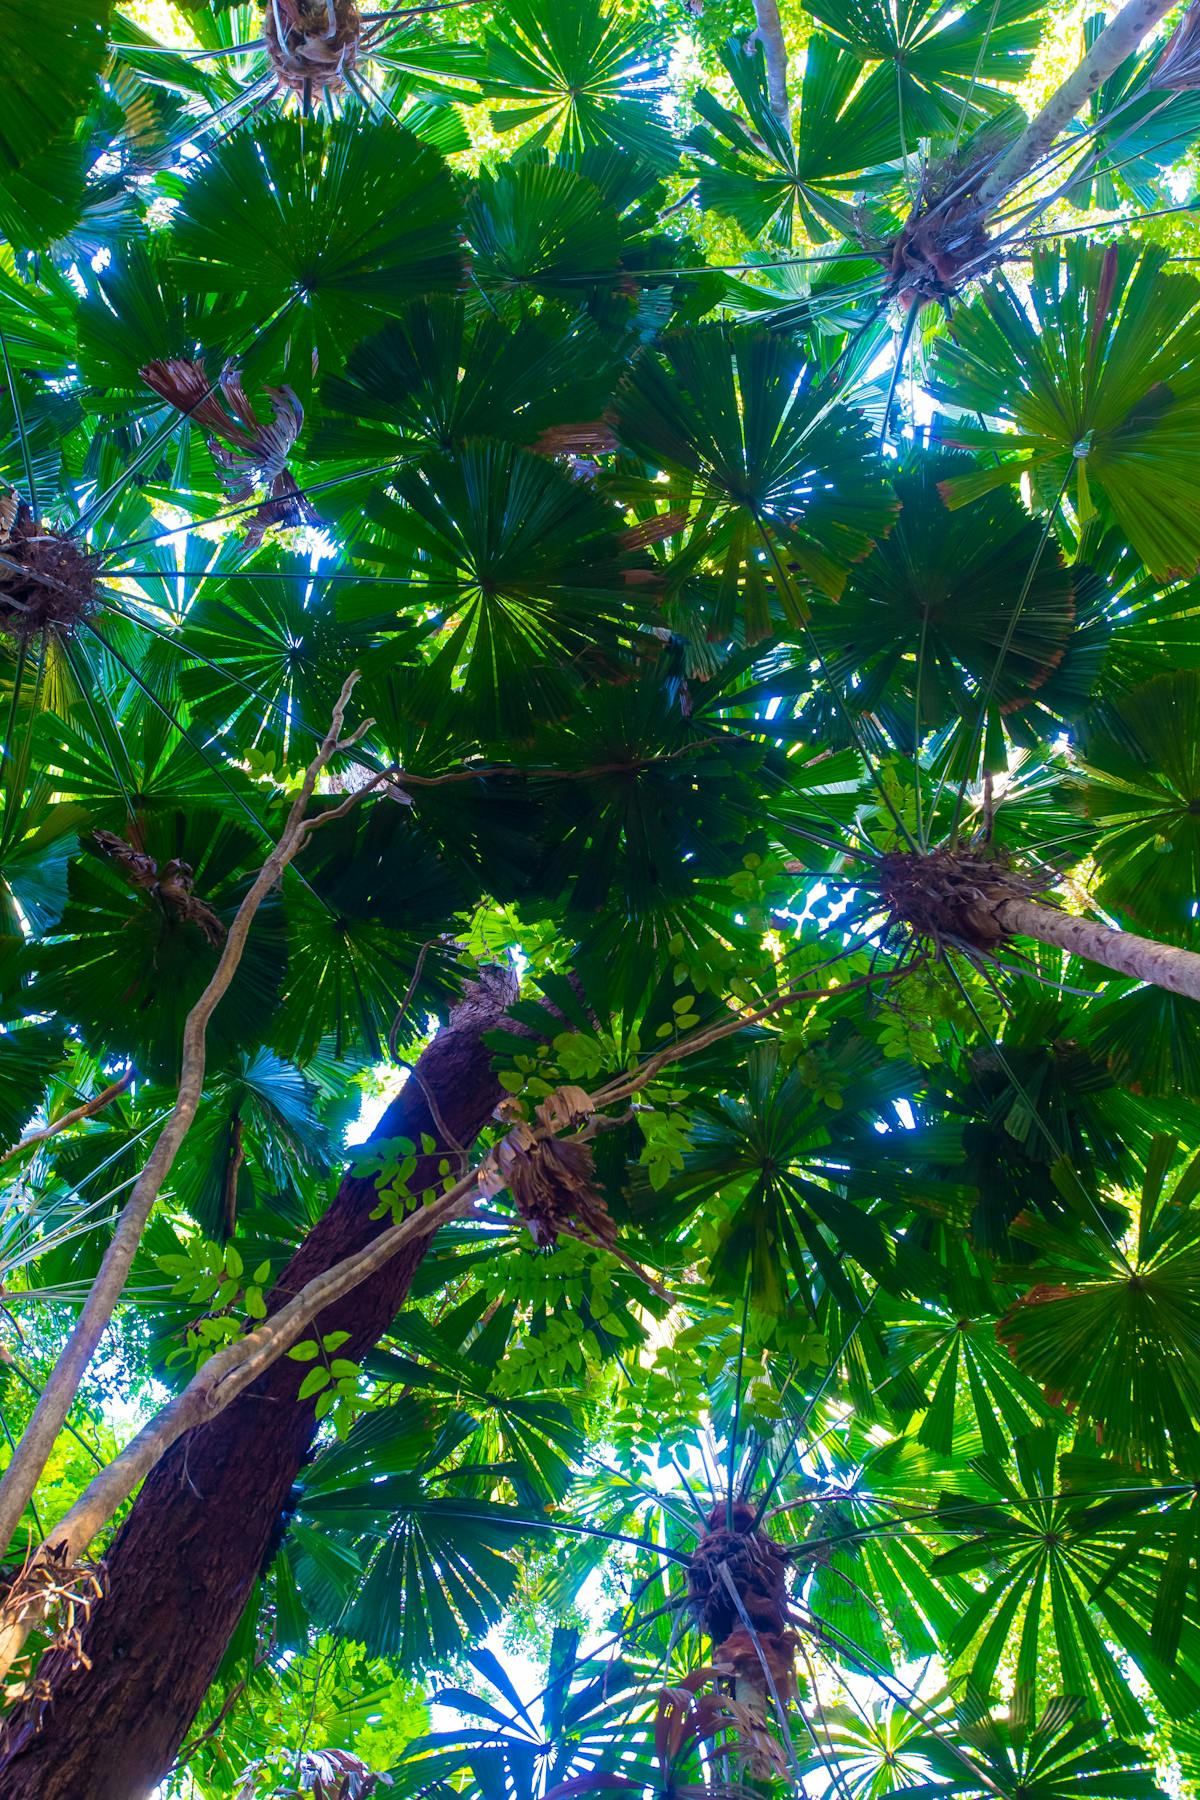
(312, 44)
(48, 581)
(56, 1596)
(250, 455)
(171, 885)
(588, 438)
(551, 1179)
(653, 531)
(260, 451)
(285, 505)
(338, 1775)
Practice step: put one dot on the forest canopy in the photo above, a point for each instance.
(599, 889)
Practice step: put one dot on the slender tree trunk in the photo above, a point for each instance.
(1119, 39)
(769, 32)
(1145, 959)
(182, 1567)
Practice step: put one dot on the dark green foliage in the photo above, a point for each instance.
(686, 583)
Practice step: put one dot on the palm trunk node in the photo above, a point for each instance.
(978, 903)
(312, 44)
(48, 581)
(758, 1572)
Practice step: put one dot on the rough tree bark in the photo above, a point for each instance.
(182, 1567)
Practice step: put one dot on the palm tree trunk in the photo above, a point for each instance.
(1119, 39)
(1161, 965)
(212, 1512)
(769, 32)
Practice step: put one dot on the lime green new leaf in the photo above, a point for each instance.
(581, 74)
(770, 181)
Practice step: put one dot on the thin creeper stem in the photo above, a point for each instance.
(38, 1439)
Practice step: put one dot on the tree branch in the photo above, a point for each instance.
(86, 1111)
(37, 1441)
(230, 1371)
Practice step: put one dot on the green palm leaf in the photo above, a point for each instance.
(438, 375)
(582, 75)
(512, 564)
(1114, 1337)
(734, 418)
(940, 69)
(769, 181)
(969, 1379)
(1061, 1754)
(1095, 390)
(437, 1572)
(340, 223)
(1138, 132)
(1141, 787)
(540, 227)
(128, 971)
(49, 80)
(943, 610)
(1041, 1558)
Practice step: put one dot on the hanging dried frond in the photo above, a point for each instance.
(48, 581)
(55, 1596)
(286, 505)
(312, 44)
(551, 1178)
(249, 454)
(591, 438)
(338, 1775)
(952, 895)
(171, 885)
(686, 1719)
(653, 531)
(259, 452)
